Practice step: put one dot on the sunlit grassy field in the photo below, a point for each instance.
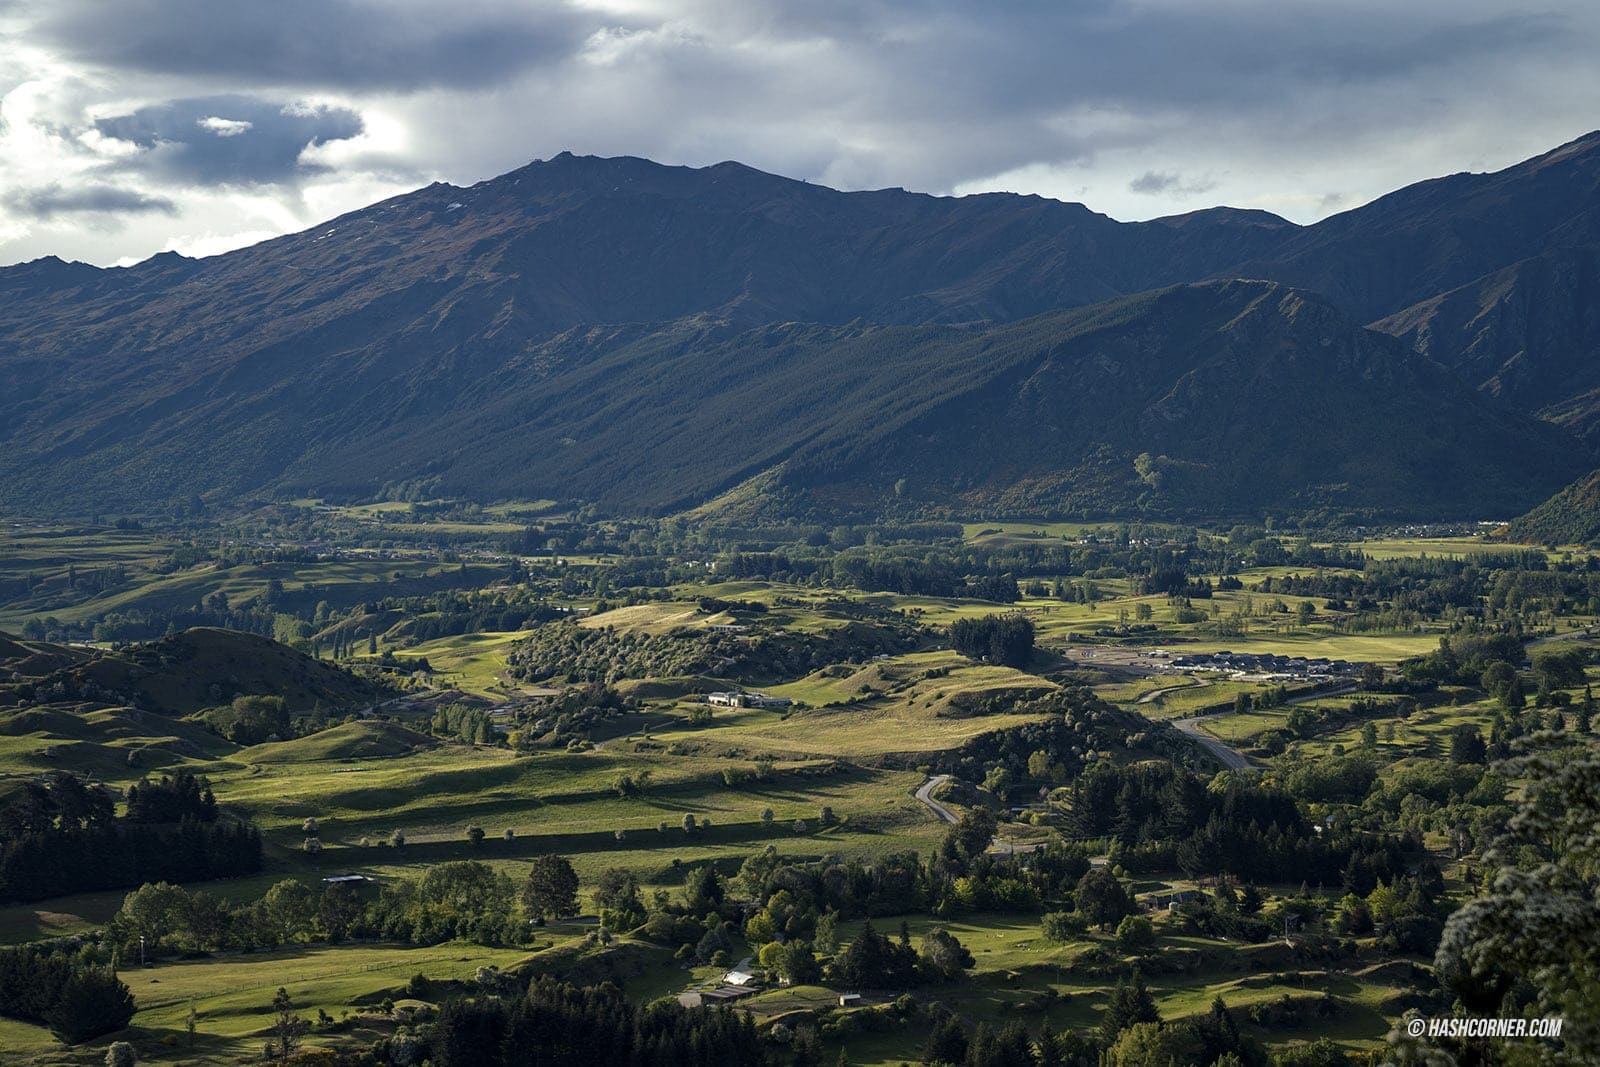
(878, 720)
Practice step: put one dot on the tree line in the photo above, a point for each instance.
(62, 837)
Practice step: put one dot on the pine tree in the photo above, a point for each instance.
(947, 1043)
(93, 1002)
(1130, 1003)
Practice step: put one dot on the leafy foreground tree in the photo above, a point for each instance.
(93, 1002)
(1154, 1045)
(552, 888)
(1537, 930)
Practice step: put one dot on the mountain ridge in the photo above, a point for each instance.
(466, 336)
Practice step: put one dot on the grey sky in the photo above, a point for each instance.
(201, 125)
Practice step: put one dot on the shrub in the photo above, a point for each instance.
(1135, 932)
(93, 1002)
(1064, 925)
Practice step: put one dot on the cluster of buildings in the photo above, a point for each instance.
(739, 983)
(1266, 663)
(737, 699)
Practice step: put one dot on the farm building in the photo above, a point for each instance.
(747, 700)
(724, 994)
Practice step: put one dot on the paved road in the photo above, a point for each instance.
(1002, 847)
(1570, 635)
(1157, 694)
(924, 795)
(1229, 758)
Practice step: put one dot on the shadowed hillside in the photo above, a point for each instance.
(187, 671)
(1571, 517)
(649, 337)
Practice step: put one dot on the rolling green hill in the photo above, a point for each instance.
(184, 672)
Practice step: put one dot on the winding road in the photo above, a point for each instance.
(924, 795)
(1228, 757)
(1157, 694)
(1000, 846)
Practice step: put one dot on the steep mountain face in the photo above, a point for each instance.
(1570, 517)
(1245, 392)
(650, 336)
(1529, 334)
(1439, 235)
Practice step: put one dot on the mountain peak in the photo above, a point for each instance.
(645, 335)
(1234, 215)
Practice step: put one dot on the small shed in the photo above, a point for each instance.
(849, 1000)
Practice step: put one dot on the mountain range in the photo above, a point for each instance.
(653, 338)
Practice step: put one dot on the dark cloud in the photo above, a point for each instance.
(51, 201)
(228, 140)
(1138, 107)
(935, 94)
(1151, 182)
(349, 44)
(1040, 55)
(1154, 184)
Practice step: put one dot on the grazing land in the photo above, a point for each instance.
(717, 737)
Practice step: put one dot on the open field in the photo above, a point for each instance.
(613, 793)
(232, 997)
(471, 663)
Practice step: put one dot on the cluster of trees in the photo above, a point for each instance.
(172, 799)
(1131, 1034)
(73, 990)
(1162, 817)
(573, 714)
(63, 837)
(454, 612)
(567, 651)
(1462, 659)
(464, 723)
(908, 571)
(252, 720)
(460, 899)
(1004, 639)
(1074, 725)
(555, 1024)
(147, 623)
(873, 961)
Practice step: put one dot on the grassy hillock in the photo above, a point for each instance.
(354, 740)
(35, 659)
(204, 667)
